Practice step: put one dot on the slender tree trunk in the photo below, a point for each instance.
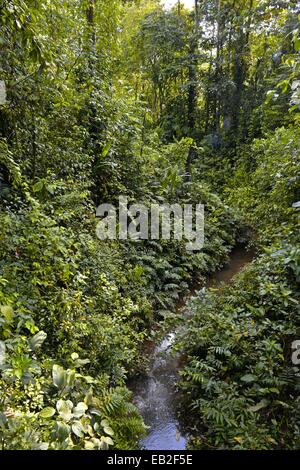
(218, 72)
(227, 114)
(34, 149)
(90, 15)
(240, 70)
(208, 101)
(192, 93)
(197, 17)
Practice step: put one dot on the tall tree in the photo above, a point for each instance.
(192, 88)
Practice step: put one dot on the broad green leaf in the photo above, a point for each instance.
(71, 376)
(88, 445)
(80, 409)
(37, 187)
(94, 411)
(62, 431)
(3, 419)
(295, 84)
(81, 362)
(297, 44)
(107, 440)
(41, 446)
(64, 408)
(2, 352)
(106, 427)
(249, 378)
(97, 443)
(7, 312)
(2, 91)
(47, 412)
(105, 150)
(59, 376)
(37, 340)
(77, 429)
(262, 404)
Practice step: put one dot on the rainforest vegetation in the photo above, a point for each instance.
(189, 105)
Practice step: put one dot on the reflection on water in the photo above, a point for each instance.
(155, 395)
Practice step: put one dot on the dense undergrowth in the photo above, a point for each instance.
(75, 311)
(65, 294)
(242, 385)
(101, 99)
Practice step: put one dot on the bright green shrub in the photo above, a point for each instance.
(242, 391)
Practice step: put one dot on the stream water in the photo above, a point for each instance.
(155, 394)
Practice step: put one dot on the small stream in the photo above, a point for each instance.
(155, 395)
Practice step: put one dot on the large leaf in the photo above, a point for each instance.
(2, 352)
(37, 340)
(297, 44)
(262, 404)
(80, 409)
(105, 150)
(64, 407)
(7, 312)
(47, 412)
(77, 429)
(59, 376)
(62, 431)
(249, 378)
(40, 446)
(106, 427)
(3, 420)
(106, 442)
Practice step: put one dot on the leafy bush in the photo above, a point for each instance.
(243, 390)
(239, 342)
(267, 183)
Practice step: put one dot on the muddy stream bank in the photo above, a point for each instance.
(155, 393)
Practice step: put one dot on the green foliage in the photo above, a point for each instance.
(271, 183)
(124, 98)
(62, 409)
(240, 380)
(239, 343)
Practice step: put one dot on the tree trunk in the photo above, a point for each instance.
(192, 92)
(218, 72)
(90, 16)
(240, 70)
